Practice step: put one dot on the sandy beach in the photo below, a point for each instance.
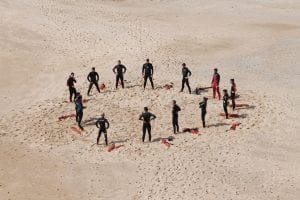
(255, 42)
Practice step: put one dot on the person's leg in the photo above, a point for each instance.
(218, 91)
(233, 101)
(97, 86)
(74, 92)
(174, 124)
(71, 93)
(90, 87)
(80, 119)
(182, 85)
(105, 135)
(144, 132)
(188, 85)
(214, 91)
(99, 135)
(203, 119)
(225, 110)
(145, 81)
(151, 81)
(122, 81)
(77, 116)
(149, 131)
(117, 81)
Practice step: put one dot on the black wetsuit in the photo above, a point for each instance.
(103, 124)
(203, 106)
(146, 117)
(93, 78)
(225, 104)
(148, 73)
(121, 69)
(79, 110)
(232, 95)
(175, 111)
(185, 78)
(72, 89)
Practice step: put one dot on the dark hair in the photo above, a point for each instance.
(174, 101)
(147, 60)
(183, 64)
(93, 68)
(232, 80)
(72, 73)
(205, 98)
(146, 109)
(215, 69)
(224, 90)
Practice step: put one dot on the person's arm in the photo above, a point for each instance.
(153, 117)
(97, 124)
(218, 78)
(89, 77)
(97, 77)
(75, 80)
(114, 69)
(143, 70)
(179, 109)
(189, 73)
(125, 69)
(152, 71)
(107, 123)
(141, 117)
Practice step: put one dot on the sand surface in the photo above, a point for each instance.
(255, 42)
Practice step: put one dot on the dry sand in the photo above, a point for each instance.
(255, 42)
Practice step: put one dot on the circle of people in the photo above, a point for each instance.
(146, 116)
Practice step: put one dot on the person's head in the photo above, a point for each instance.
(103, 115)
(215, 70)
(119, 62)
(225, 91)
(205, 98)
(93, 68)
(146, 109)
(78, 94)
(72, 74)
(183, 65)
(174, 102)
(232, 81)
(147, 60)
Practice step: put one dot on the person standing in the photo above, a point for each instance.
(79, 109)
(147, 73)
(70, 83)
(175, 111)
(225, 102)
(215, 83)
(102, 124)
(232, 93)
(146, 117)
(203, 106)
(186, 73)
(119, 70)
(93, 78)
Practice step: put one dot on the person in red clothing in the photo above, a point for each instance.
(215, 83)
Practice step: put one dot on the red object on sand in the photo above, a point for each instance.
(191, 130)
(102, 86)
(112, 146)
(168, 86)
(230, 115)
(85, 100)
(66, 116)
(77, 130)
(165, 142)
(234, 125)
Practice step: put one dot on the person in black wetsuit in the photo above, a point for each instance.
(70, 83)
(79, 109)
(93, 78)
(203, 106)
(232, 93)
(147, 73)
(119, 70)
(146, 117)
(103, 124)
(186, 73)
(175, 111)
(225, 102)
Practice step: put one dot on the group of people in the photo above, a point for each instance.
(147, 73)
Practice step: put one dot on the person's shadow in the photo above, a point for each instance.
(218, 124)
